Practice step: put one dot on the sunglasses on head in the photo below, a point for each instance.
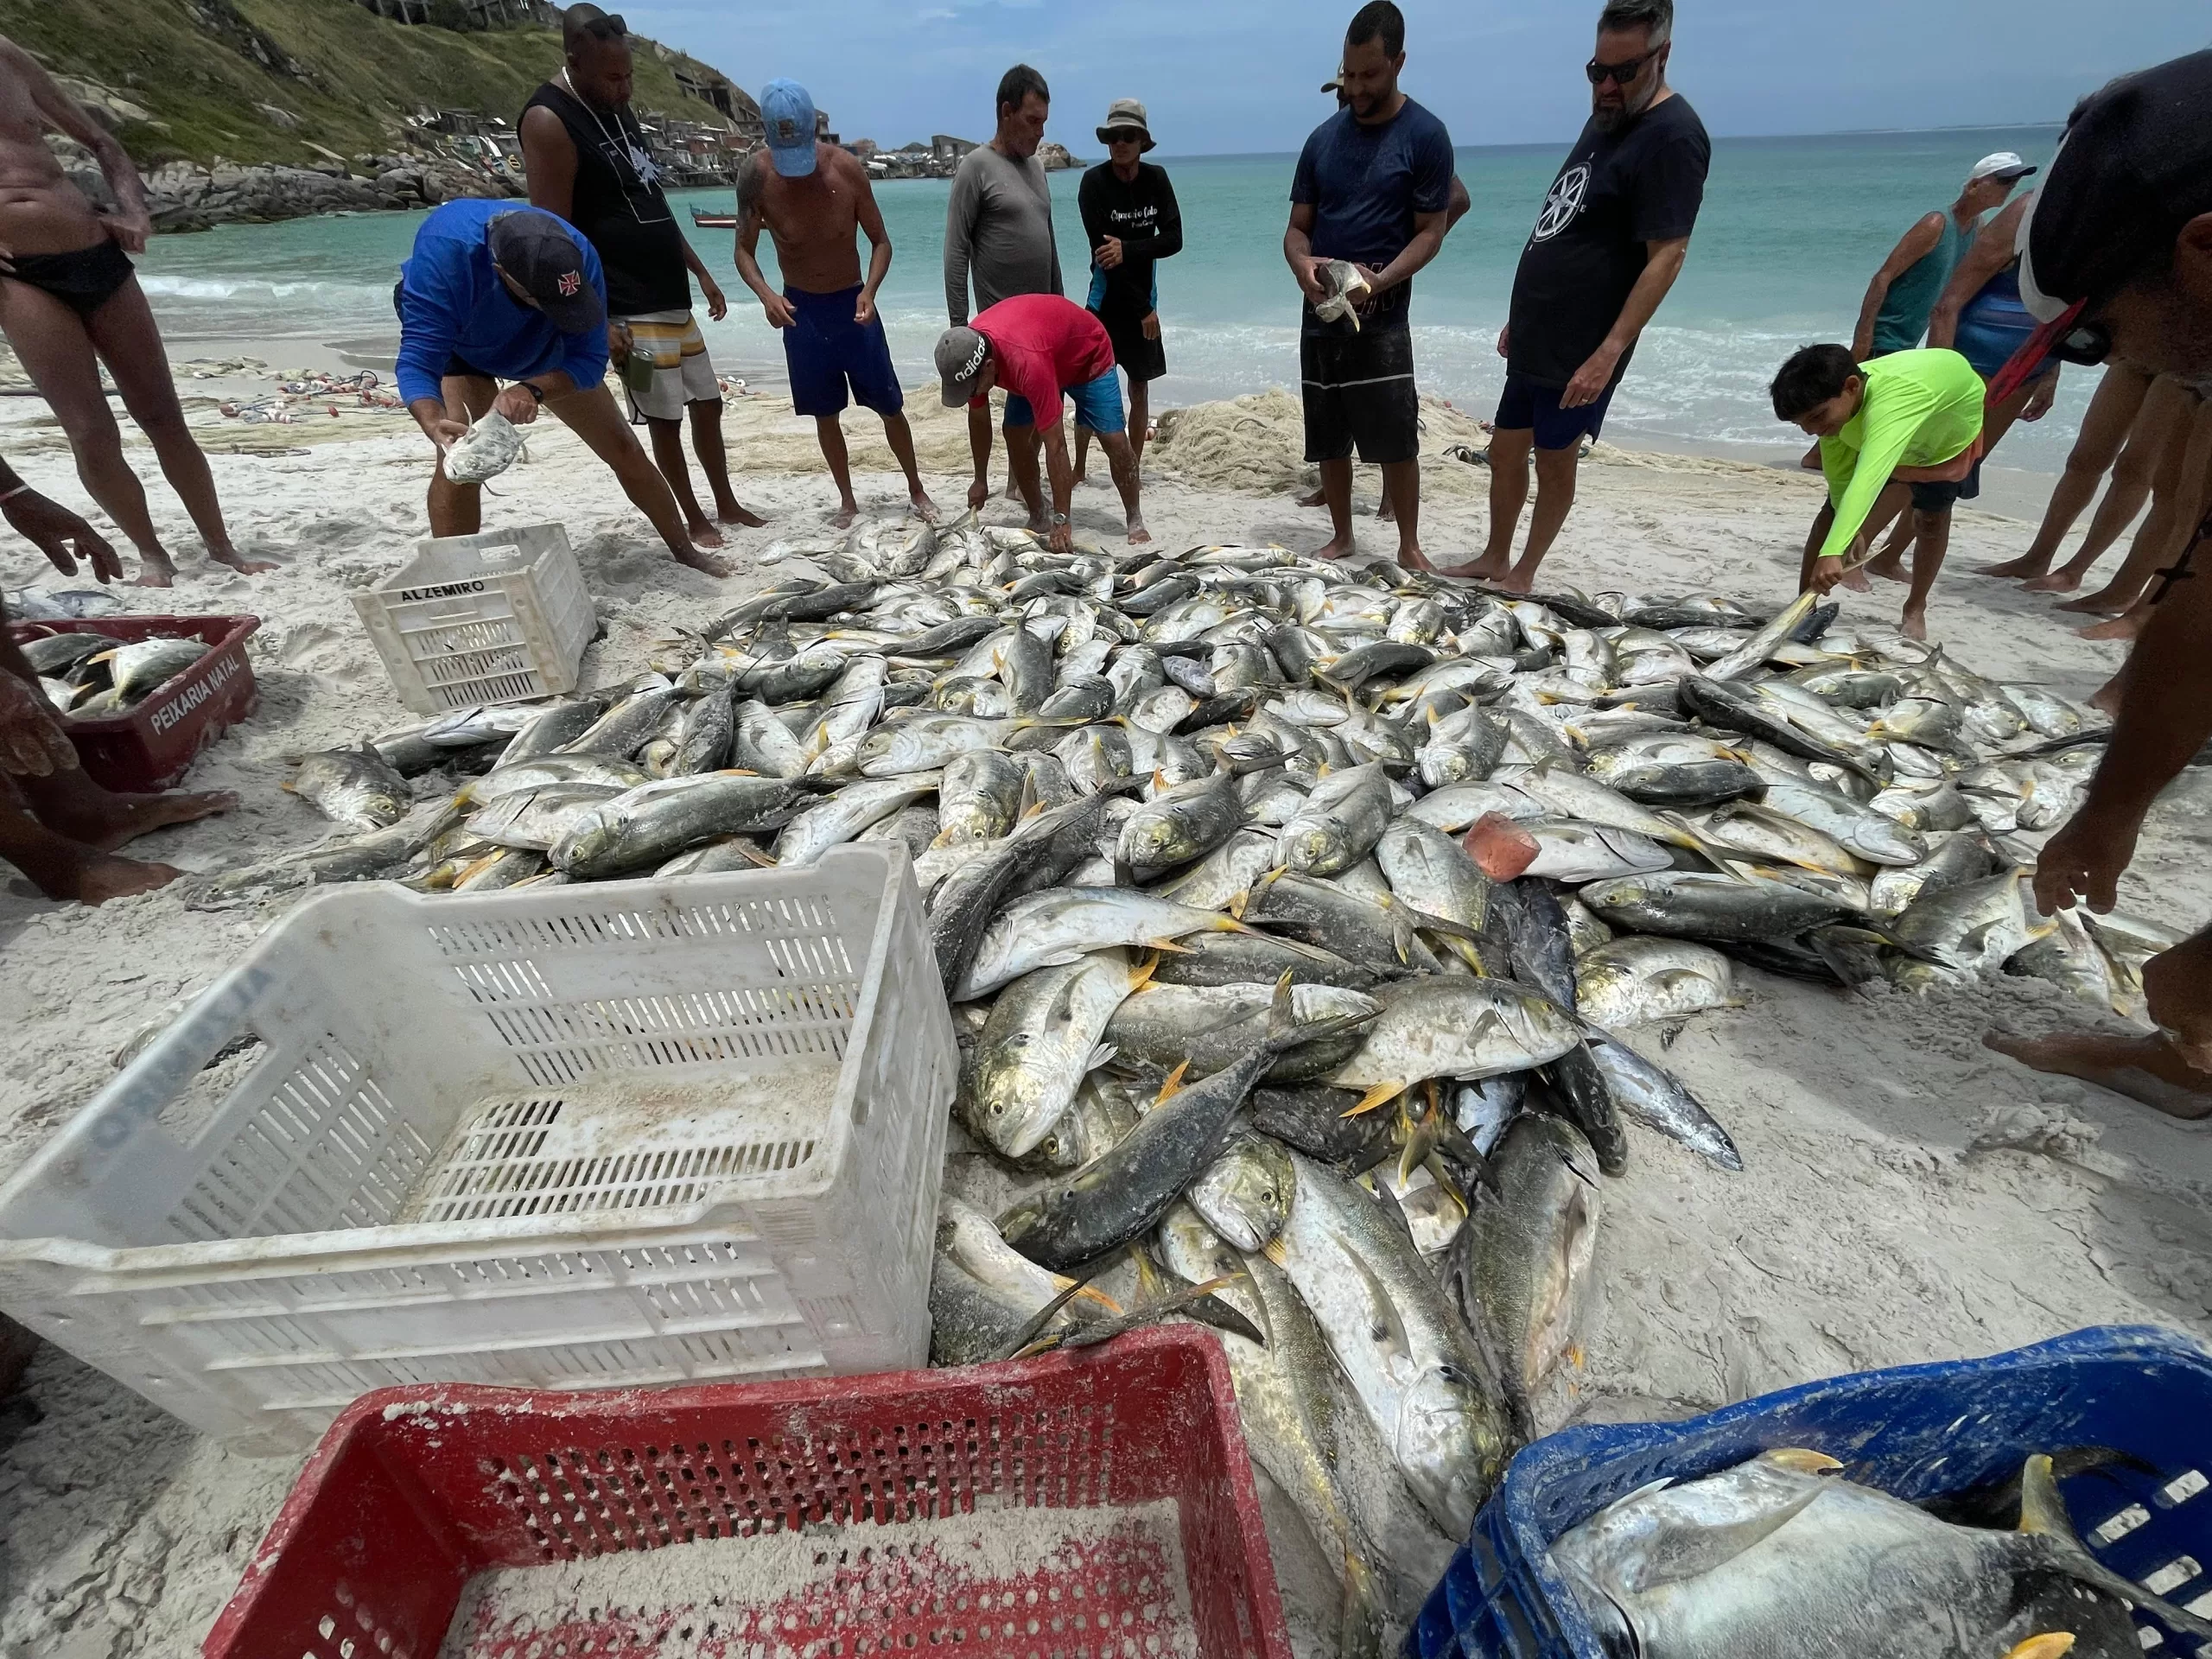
(1622, 73)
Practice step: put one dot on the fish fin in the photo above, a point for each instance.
(1381, 1094)
(1184, 949)
(1275, 1251)
(1141, 975)
(1804, 1459)
(2051, 1644)
(1236, 905)
(1684, 1551)
(1171, 1085)
(2043, 1514)
(1101, 1055)
(1387, 1326)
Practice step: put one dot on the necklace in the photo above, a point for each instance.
(642, 166)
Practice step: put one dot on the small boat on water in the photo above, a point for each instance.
(707, 221)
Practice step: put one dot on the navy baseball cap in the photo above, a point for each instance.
(540, 253)
(788, 113)
(2135, 166)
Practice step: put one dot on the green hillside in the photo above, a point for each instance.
(201, 70)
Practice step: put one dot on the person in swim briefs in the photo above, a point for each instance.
(70, 304)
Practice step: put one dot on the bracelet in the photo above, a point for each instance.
(7, 496)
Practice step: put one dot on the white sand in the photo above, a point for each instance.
(1864, 1231)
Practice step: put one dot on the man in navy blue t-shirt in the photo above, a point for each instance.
(1372, 189)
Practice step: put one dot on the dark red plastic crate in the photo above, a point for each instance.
(416, 1489)
(148, 747)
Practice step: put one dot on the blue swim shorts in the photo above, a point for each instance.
(825, 350)
(1525, 405)
(1098, 405)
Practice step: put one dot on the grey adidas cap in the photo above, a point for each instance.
(960, 354)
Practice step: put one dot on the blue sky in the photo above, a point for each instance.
(1240, 75)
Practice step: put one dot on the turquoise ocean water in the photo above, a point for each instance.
(1792, 229)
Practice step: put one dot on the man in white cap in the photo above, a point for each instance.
(1131, 222)
(813, 198)
(1894, 315)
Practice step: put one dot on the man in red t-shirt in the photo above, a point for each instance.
(1036, 347)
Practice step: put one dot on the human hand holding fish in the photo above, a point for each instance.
(2084, 861)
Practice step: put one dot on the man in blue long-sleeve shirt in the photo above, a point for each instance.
(495, 293)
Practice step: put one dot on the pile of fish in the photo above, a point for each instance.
(89, 675)
(1290, 912)
(1783, 1556)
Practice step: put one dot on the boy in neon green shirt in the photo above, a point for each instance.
(1913, 417)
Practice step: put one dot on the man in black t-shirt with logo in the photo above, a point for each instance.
(1608, 244)
(589, 165)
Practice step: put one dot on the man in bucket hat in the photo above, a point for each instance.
(1131, 222)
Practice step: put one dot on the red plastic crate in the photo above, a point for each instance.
(414, 1491)
(148, 747)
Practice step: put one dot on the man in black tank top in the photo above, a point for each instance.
(589, 164)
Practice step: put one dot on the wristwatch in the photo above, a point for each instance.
(537, 397)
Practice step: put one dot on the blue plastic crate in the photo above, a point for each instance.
(1916, 1432)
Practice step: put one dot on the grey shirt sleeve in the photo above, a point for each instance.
(960, 210)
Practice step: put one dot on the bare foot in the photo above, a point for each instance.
(83, 812)
(2125, 626)
(1315, 498)
(238, 561)
(698, 559)
(743, 518)
(1139, 534)
(153, 573)
(704, 534)
(843, 517)
(1914, 625)
(2057, 581)
(2023, 566)
(2107, 699)
(1855, 581)
(1889, 568)
(2103, 602)
(1517, 581)
(109, 877)
(924, 509)
(2148, 1069)
(1411, 558)
(1338, 546)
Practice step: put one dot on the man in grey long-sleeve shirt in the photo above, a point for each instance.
(998, 230)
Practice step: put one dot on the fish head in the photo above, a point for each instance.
(1151, 840)
(1449, 1446)
(1314, 849)
(1015, 1105)
(1246, 1196)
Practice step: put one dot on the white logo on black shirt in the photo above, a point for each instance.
(1564, 203)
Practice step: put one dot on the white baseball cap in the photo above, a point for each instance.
(2006, 164)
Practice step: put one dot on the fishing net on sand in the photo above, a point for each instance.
(1256, 444)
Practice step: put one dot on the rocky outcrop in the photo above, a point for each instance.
(183, 197)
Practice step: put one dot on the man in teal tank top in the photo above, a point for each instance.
(1905, 289)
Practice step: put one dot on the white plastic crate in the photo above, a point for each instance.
(501, 616)
(625, 1134)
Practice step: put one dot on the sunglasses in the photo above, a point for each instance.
(1620, 74)
(1124, 136)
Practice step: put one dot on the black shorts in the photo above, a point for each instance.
(1941, 498)
(1359, 393)
(1139, 358)
(457, 366)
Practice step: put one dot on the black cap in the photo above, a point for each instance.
(542, 253)
(2135, 167)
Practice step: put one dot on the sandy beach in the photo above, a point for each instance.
(1907, 1194)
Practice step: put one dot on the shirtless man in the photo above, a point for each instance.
(812, 197)
(69, 302)
(2118, 263)
(57, 826)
